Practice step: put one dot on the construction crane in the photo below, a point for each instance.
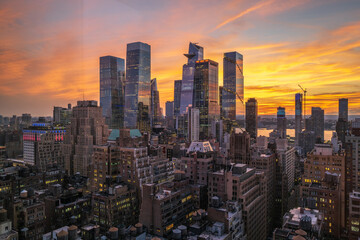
(235, 93)
(234, 62)
(305, 91)
(239, 97)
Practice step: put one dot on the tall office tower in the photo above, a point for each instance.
(265, 161)
(221, 89)
(326, 188)
(298, 117)
(343, 109)
(169, 109)
(112, 84)
(194, 124)
(195, 53)
(342, 124)
(206, 94)
(251, 117)
(177, 97)
(62, 115)
(42, 145)
(87, 129)
(281, 122)
(137, 90)
(233, 81)
(317, 119)
(352, 145)
(245, 185)
(155, 104)
(26, 119)
(354, 215)
(240, 146)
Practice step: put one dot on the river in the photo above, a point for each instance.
(291, 132)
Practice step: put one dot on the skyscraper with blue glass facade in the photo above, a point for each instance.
(233, 81)
(195, 53)
(206, 94)
(138, 90)
(112, 82)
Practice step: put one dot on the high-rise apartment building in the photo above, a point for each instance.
(194, 124)
(169, 109)
(343, 109)
(240, 147)
(281, 122)
(177, 97)
(318, 124)
(195, 53)
(247, 186)
(138, 90)
(352, 142)
(342, 124)
(324, 186)
(206, 95)
(112, 90)
(42, 145)
(62, 115)
(155, 104)
(251, 117)
(298, 117)
(354, 215)
(87, 129)
(233, 81)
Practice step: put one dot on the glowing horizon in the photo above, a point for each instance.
(49, 54)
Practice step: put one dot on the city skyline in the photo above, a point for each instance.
(283, 43)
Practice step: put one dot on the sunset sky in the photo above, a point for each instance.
(49, 50)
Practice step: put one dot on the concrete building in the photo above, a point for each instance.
(194, 124)
(243, 184)
(230, 215)
(157, 208)
(42, 145)
(117, 205)
(325, 176)
(298, 117)
(239, 151)
(352, 143)
(301, 223)
(62, 115)
(198, 162)
(252, 117)
(6, 231)
(86, 130)
(281, 122)
(354, 215)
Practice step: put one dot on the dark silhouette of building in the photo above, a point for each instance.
(251, 117)
(281, 122)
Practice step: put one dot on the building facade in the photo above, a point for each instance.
(194, 54)
(252, 117)
(206, 95)
(233, 81)
(138, 89)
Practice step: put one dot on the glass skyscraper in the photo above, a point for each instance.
(155, 104)
(205, 95)
(112, 82)
(252, 117)
(298, 117)
(343, 109)
(137, 90)
(233, 81)
(281, 122)
(177, 97)
(195, 53)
